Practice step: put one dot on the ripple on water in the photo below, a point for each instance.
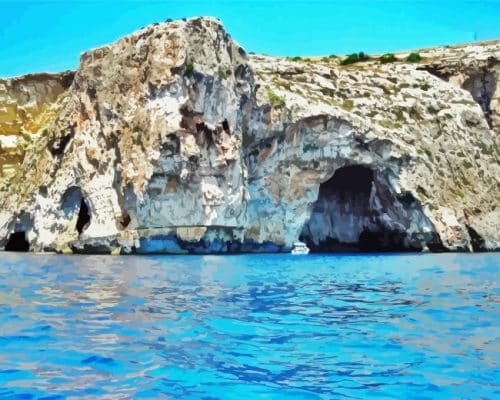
(270, 326)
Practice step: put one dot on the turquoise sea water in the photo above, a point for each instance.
(248, 327)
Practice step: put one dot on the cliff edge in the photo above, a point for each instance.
(175, 140)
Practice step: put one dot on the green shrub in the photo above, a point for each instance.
(328, 92)
(363, 56)
(329, 58)
(348, 105)
(414, 58)
(223, 74)
(350, 59)
(388, 58)
(296, 58)
(354, 58)
(274, 98)
(188, 71)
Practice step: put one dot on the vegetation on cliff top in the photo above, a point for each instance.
(388, 58)
(354, 58)
(414, 58)
(275, 100)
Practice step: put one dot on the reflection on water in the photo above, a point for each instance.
(260, 326)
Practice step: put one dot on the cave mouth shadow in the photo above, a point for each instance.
(350, 215)
(74, 201)
(83, 216)
(17, 242)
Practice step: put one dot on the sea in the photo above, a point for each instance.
(266, 326)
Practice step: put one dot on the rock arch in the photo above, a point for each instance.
(18, 239)
(74, 203)
(358, 210)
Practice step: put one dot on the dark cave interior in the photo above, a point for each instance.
(353, 213)
(83, 216)
(73, 201)
(17, 242)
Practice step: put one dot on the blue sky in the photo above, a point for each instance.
(37, 35)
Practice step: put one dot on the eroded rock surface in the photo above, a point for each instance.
(27, 105)
(174, 140)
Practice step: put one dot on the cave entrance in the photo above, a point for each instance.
(74, 202)
(83, 217)
(17, 242)
(351, 214)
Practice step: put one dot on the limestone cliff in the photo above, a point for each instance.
(174, 140)
(27, 105)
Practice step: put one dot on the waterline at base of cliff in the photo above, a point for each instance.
(174, 140)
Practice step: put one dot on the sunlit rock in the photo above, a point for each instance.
(174, 140)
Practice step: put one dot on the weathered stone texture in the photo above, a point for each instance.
(27, 105)
(174, 140)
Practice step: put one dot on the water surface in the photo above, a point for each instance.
(252, 326)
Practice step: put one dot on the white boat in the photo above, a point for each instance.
(300, 248)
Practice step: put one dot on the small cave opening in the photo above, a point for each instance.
(482, 86)
(83, 216)
(225, 126)
(355, 211)
(125, 220)
(73, 202)
(17, 242)
(58, 145)
(477, 242)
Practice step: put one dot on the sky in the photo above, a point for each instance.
(48, 36)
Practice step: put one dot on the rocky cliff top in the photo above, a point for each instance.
(173, 139)
(420, 108)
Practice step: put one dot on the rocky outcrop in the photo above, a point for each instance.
(27, 105)
(473, 68)
(174, 140)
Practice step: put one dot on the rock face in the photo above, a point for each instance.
(27, 105)
(174, 140)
